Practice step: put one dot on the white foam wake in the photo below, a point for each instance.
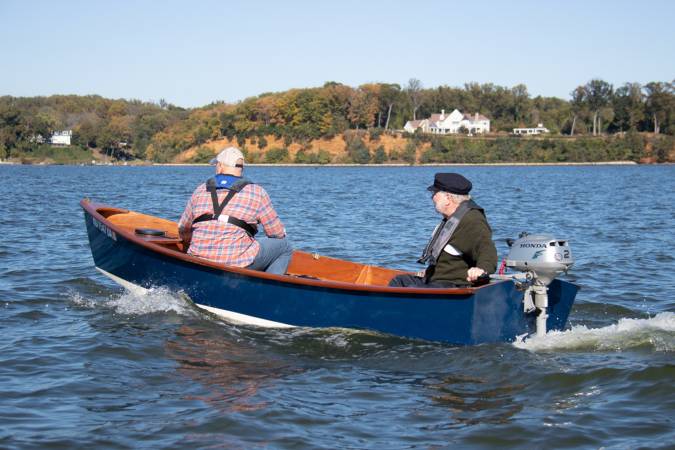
(657, 332)
(137, 303)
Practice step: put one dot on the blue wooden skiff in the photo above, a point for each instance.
(319, 292)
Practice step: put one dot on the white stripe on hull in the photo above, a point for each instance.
(131, 287)
(230, 316)
(237, 318)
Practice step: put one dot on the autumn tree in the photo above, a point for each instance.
(362, 108)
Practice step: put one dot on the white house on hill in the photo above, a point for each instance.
(61, 137)
(540, 129)
(412, 125)
(450, 124)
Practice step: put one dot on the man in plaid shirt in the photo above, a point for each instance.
(227, 239)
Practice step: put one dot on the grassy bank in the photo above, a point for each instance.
(363, 147)
(47, 154)
(367, 148)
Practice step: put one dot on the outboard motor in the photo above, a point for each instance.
(542, 258)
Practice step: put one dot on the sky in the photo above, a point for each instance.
(192, 53)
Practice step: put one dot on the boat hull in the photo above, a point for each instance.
(492, 313)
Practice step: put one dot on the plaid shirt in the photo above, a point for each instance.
(223, 242)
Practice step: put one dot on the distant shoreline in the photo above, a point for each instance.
(524, 164)
(605, 163)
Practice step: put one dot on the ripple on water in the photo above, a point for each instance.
(33, 316)
(109, 369)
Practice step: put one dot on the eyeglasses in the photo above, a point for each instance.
(241, 166)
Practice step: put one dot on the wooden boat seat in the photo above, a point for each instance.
(310, 265)
(132, 220)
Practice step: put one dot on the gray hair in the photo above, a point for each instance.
(459, 198)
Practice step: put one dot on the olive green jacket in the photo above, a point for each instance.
(473, 238)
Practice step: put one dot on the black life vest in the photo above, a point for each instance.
(249, 228)
(444, 231)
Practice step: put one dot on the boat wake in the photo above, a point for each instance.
(154, 300)
(656, 332)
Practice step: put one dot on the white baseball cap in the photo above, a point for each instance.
(228, 157)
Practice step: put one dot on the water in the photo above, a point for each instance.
(84, 364)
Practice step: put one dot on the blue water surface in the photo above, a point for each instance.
(84, 364)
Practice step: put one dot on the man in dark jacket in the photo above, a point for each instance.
(461, 247)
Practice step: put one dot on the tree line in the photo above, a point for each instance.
(159, 131)
(120, 128)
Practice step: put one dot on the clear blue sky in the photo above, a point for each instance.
(194, 52)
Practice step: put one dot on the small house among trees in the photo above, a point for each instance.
(540, 129)
(61, 138)
(453, 123)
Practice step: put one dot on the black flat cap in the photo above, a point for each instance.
(450, 182)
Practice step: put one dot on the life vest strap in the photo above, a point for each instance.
(250, 229)
(218, 208)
